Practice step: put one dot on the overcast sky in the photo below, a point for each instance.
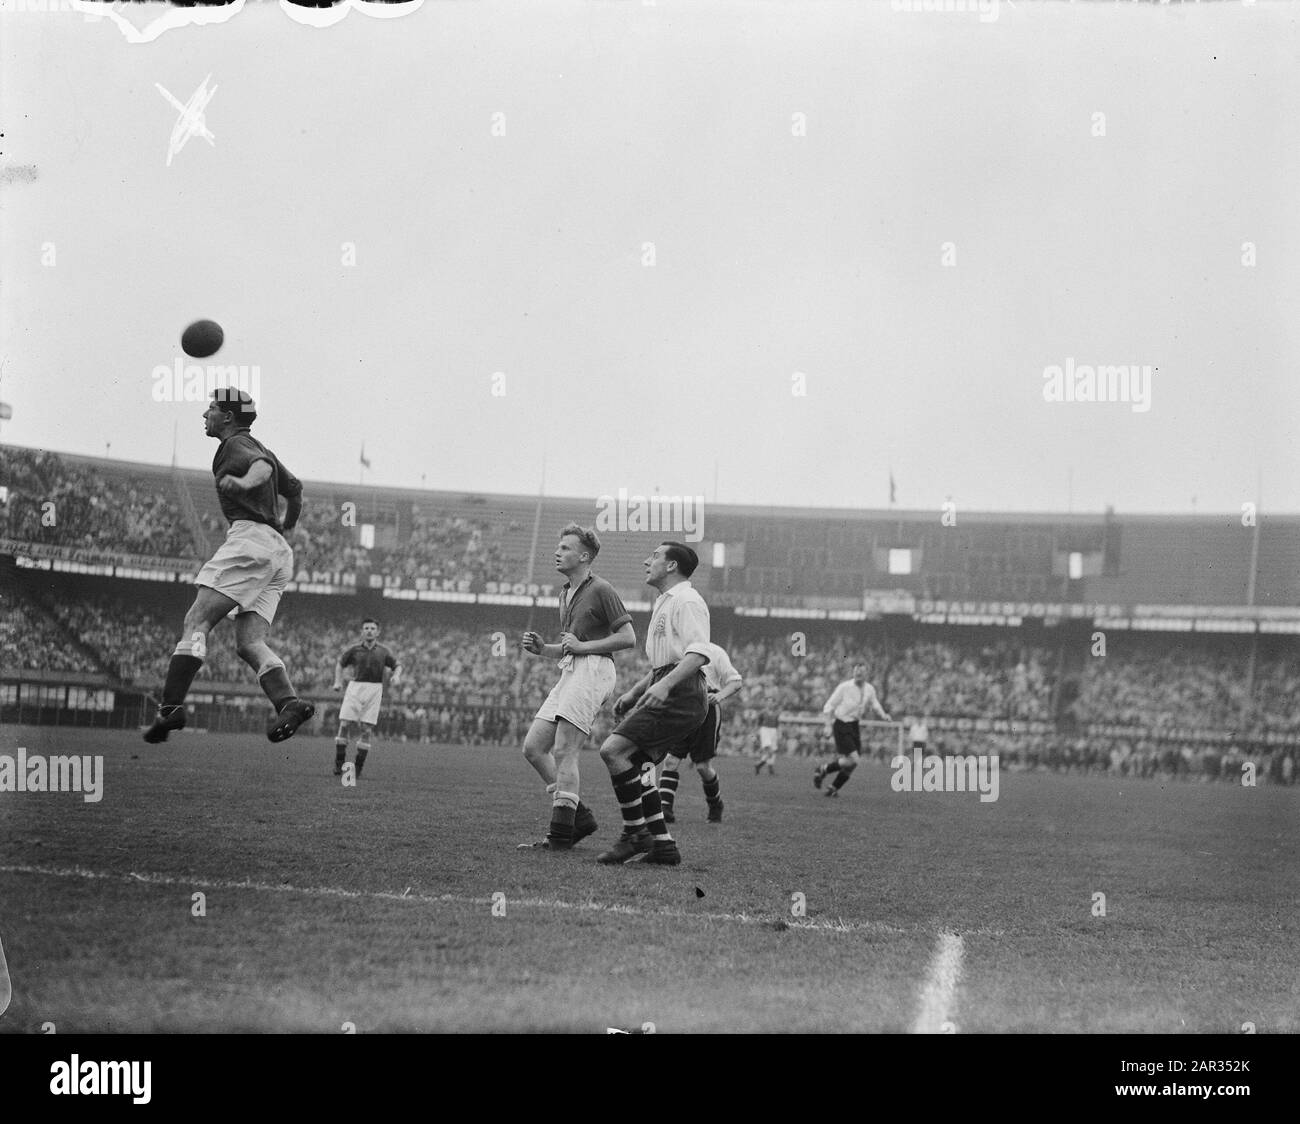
(773, 252)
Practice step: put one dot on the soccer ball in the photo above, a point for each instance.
(202, 338)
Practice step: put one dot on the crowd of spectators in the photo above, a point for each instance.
(1162, 686)
(1145, 758)
(995, 679)
(29, 639)
(141, 515)
(55, 502)
(441, 547)
(474, 686)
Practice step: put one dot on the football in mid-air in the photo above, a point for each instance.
(202, 338)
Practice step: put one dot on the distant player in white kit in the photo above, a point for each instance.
(844, 710)
(359, 714)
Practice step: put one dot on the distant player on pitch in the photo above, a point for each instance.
(769, 729)
(359, 714)
(721, 680)
(247, 574)
(844, 710)
(594, 625)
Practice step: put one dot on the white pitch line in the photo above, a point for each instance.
(814, 925)
(940, 991)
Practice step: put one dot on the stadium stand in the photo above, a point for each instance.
(468, 683)
(1128, 713)
(59, 503)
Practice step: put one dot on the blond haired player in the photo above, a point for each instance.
(594, 624)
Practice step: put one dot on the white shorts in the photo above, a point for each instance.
(361, 703)
(766, 738)
(584, 686)
(251, 567)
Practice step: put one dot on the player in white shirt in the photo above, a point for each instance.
(920, 734)
(844, 710)
(663, 708)
(722, 681)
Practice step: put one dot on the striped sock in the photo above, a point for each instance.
(654, 813)
(711, 790)
(562, 813)
(668, 781)
(627, 791)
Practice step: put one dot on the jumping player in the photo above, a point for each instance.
(248, 573)
(722, 681)
(594, 625)
(664, 707)
(359, 713)
(846, 706)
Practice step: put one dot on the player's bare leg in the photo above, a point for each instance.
(644, 831)
(568, 823)
(552, 748)
(251, 631)
(207, 611)
(538, 743)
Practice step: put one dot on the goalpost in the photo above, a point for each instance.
(803, 735)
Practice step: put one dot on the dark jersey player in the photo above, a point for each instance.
(359, 713)
(594, 624)
(247, 574)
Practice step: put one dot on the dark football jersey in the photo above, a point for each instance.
(235, 456)
(593, 611)
(369, 662)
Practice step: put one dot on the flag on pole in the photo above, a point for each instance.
(891, 486)
(364, 463)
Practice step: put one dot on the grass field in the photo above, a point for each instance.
(373, 905)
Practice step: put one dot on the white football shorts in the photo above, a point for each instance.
(361, 703)
(583, 687)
